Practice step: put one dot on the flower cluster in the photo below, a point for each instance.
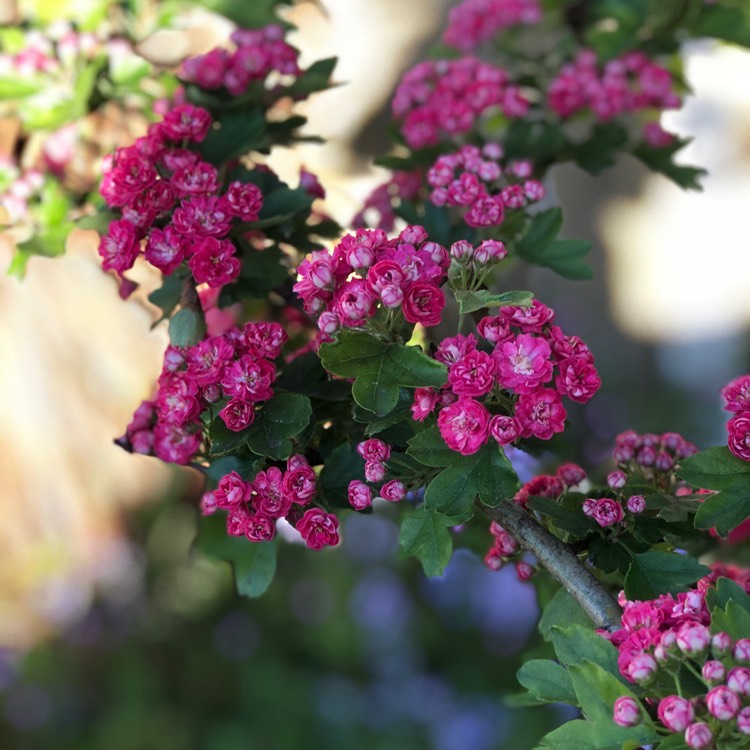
(660, 637)
(509, 383)
(475, 21)
(447, 96)
(230, 373)
(172, 203)
(736, 397)
(505, 548)
(375, 453)
(400, 278)
(625, 84)
(475, 180)
(17, 190)
(254, 507)
(257, 53)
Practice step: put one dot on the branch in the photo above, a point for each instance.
(559, 560)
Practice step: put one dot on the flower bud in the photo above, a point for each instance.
(524, 571)
(494, 559)
(636, 504)
(208, 504)
(743, 720)
(571, 474)
(742, 650)
(393, 491)
(360, 495)
(675, 713)
(723, 703)
(699, 736)
(642, 668)
(616, 479)
(374, 471)
(738, 680)
(693, 638)
(588, 506)
(627, 711)
(713, 672)
(329, 322)
(462, 251)
(721, 644)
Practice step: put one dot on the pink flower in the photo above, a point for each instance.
(208, 504)
(319, 529)
(523, 363)
(195, 179)
(504, 429)
(571, 474)
(238, 415)
(173, 444)
(269, 497)
(699, 736)
(249, 379)
(524, 571)
(642, 668)
(738, 679)
(742, 650)
(360, 495)
(393, 491)
(627, 711)
(693, 638)
(185, 122)
(464, 425)
(736, 394)
(675, 713)
(607, 512)
(577, 379)
(259, 527)
(487, 211)
(541, 414)
(120, 246)
(506, 543)
(494, 559)
(264, 339)
(374, 449)
(232, 491)
(214, 262)
(237, 520)
(739, 435)
(490, 251)
(589, 504)
(374, 471)
(165, 249)
(494, 329)
(244, 200)
(529, 319)
(300, 484)
(383, 274)
(423, 303)
(713, 672)
(425, 400)
(721, 643)
(723, 703)
(473, 375)
(455, 348)
(617, 479)
(636, 504)
(354, 302)
(743, 720)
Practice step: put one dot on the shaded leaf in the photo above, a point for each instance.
(653, 573)
(424, 535)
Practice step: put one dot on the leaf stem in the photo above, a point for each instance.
(559, 560)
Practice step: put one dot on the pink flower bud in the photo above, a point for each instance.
(721, 644)
(490, 250)
(571, 474)
(646, 456)
(627, 711)
(642, 668)
(462, 251)
(723, 703)
(208, 504)
(524, 571)
(663, 461)
(588, 506)
(392, 296)
(616, 479)
(739, 680)
(506, 543)
(494, 559)
(675, 713)
(636, 504)
(374, 471)
(693, 638)
(393, 491)
(329, 322)
(699, 736)
(374, 449)
(607, 512)
(668, 639)
(743, 720)
(742, 650)
(713, 672)
(504, 429)
(623, 453)
(360, 495)
(661, 654)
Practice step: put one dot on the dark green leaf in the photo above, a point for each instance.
(596, 690)
(246, 466)
(235, 132)
(733, 619)
(727, 590)
(306, 375)
(167, 296)
(608, 556)
(380, 368)
(187, 327)
(281, 418)
(429, 448)
(598, 152)
(718, 469)
(539, 141)
(547, 681)
(575, 643)
(316, 78)
(600, 735)
(342, 466)
(572, 520)
(653, 573)
(486, 474)
(726, 23)
(224, 440)
(468, 302)
(424, 535)
(562, 611)
(662, 160)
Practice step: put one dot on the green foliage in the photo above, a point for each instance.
(562, 611)
(730, 608)
(424, 535)
(729, 22)
(662, 160)
(718, 469)
(281, 418)
(379, 368)
(600, 735)
(187, 327)
(547, 681)
(568, 519)
(538, 245)
(469, 302)
(316, 78)
(486, 475)
(234, 133)
(599, 151)
(254, 563)
(654, 572)
(342, 466)
(575, 643)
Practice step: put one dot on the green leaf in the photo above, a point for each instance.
(167, 296)
(547, 681)
(342, 466)
(468, 302)
(281, 418)
(733, 619)
(316, 78)
(254, 563)
(246, 466)
(575, 643)
(486, 474)
(608, 555)
(596, 690)
(598, 152)
(572, 520)
(539, 141)
(543, 228)
(718, 469)
(262, 271)
(305, 375)
(424, 535)
(99, 221)
(653, 573)
(724, 591)
(375, 424)
(235, 132)
(587, 735)
(224, 440)
(283, 204)
(726, 23)
(187, 327)
(379, 369)
(562, 611)
(429, 448)
(662, 160)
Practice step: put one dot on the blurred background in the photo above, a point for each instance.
(115, 634)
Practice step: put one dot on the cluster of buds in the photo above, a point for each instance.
(257, 54)
(375, 453)
(479, 182)
(662, 636)
(396, 280)
(18, 189)
(231, 373)
(736, 397)
(475, 21)
(567, 477)
(505, 549)
(377, 210)
(173, 204)
(509, 384)
(254, 507)
(626, 84)
(445, 97)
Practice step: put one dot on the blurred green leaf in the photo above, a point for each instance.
(653, 573)
(469, 302)
(187, 327)
(424, 535)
